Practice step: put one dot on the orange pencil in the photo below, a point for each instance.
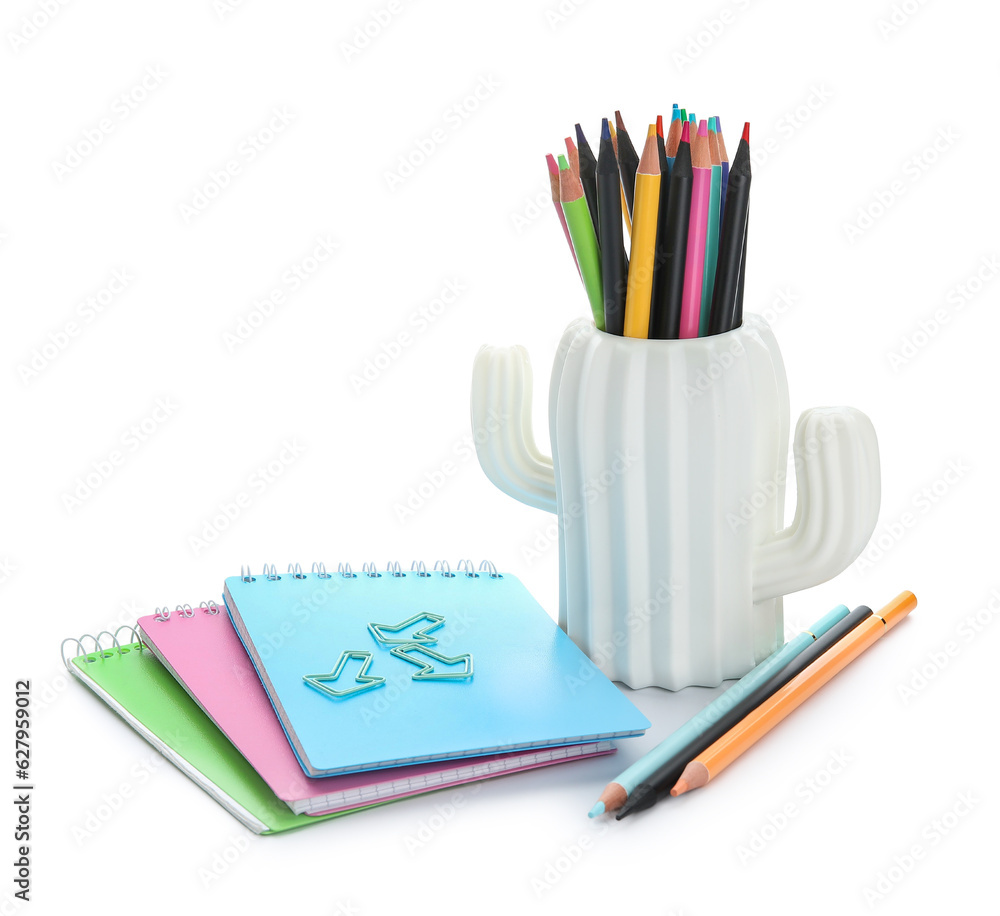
(713, 760)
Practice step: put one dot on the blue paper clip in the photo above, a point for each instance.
(321, 682)
(427, 672)
(420, 637)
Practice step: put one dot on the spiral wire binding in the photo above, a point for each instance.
(99, 652)
(185, 610)
(344, 570)
(445, 567)
(210, 607)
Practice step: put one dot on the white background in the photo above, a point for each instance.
(851, 110)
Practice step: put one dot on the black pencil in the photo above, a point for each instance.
(655, 787)
(665, 310)
(738, 311)
(588, 175)
(628, 162)
(614, 266)
(734, 223)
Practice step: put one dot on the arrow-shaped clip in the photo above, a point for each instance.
(321, 682)
(420, 637)
(427, 672)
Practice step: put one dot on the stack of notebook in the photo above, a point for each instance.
(309, 695)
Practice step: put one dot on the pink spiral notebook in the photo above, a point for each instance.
(202, 651)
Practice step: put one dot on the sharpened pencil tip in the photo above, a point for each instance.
(619, 122)
(746, 131)
(659, 125)
(563, 164)
(692, 119)
(703, 128)
(680, 787)
(675, 115)
(684, 114)
(651, 131)
(570, 145)
(605, 129)
(580, 138)
(597, 810)
(550, 161)
(718, 123)
(711, 124)
(686, 132)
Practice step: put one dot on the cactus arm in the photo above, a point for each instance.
(501, 425)
(838, 493)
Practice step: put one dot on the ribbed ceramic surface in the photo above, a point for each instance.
(669, 460)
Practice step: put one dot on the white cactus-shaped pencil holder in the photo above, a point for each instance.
(667, 478)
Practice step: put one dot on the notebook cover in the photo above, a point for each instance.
(136, 686)
(530, 686)
(200, 648)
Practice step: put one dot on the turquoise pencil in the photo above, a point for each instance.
(617, 792)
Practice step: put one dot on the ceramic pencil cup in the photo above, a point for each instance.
(667, 478)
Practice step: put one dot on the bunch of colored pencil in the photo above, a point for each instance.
(731, 724)
(685, 211)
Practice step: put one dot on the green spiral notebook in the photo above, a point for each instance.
(137, 687)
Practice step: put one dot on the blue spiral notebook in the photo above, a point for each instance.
(385, 668)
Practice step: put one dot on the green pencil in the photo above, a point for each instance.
(712, 238)
(581, 232)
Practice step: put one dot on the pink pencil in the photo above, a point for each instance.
(554, 188)
(694, 266)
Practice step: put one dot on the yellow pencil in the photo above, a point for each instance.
(644, 211)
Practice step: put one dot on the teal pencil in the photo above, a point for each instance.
(712, 238)
(617, 792)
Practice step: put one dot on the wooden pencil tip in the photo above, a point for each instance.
(649, 163)
(570, 146)
(680, 787)
(746, 131)
(718, 123)
(550, 161)
(703, 128)
(563, 164)
(618, 121)
(651, 131)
